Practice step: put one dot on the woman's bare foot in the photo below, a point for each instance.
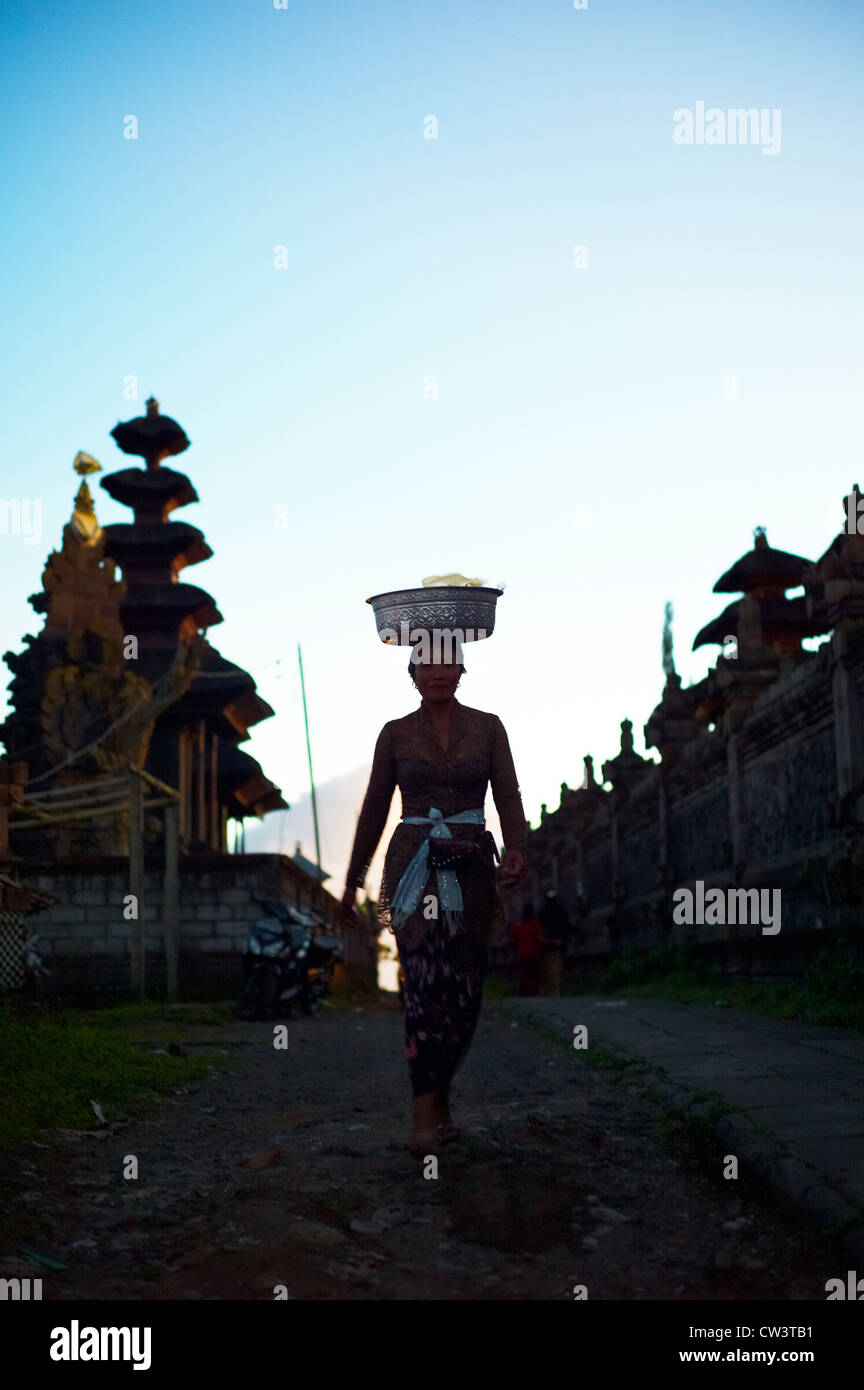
(424, 1136)
(422, 1143)
(446, 1129)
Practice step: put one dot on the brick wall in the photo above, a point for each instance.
(86, 942)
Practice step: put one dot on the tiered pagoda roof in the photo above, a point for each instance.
(777, 623)
(161, 610)
(763, 569)
(152, 550)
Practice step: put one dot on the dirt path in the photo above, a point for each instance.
(565, 1177)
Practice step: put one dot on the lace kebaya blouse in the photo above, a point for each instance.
(409, 755)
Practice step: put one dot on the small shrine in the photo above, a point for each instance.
(675, 722)
(79, 711)
(764, 617)
(835, 583)
(760, 636)
(768, 626)
(626, 768)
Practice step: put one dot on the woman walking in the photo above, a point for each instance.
(438, 891)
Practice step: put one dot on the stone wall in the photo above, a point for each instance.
(86, 942)
(774, 802)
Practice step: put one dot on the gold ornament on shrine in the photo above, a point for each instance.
(84, 522)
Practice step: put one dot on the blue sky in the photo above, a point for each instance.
(585, 446)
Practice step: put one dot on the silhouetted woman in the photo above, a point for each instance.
(442, 757)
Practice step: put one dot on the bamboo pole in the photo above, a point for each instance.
(155, 804)
(162, 787)
(69, 809)
(60, 794)
(136, 881)
(201, 830)
(183, 784)
(213, 799)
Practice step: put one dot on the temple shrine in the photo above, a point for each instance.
(124, 742)
(130, 655)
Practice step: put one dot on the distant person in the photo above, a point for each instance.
(527, 933)
(439, 893)
(553, 920)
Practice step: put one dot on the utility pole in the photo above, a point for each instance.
(309, 755)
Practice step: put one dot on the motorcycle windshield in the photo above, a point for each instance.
(268, 932)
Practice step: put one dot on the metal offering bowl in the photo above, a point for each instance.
(466, 609)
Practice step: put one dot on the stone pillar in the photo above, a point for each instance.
(663, 866)
(733, 768)
(848, 736)
(616, 862)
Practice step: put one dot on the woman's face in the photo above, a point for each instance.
(437, 680)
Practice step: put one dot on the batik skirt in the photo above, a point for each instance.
(442, 992)
(444, 974)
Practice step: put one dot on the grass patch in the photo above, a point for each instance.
(533, 1021)
(678, 1123)
(151, 1016)
(337, 1003)
(53, 1063)
(607, 1060)
(831, 993)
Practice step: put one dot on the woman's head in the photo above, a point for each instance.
(435, 680)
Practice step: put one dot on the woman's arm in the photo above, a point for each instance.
(508, 804)
(505, 791)
(376, 808)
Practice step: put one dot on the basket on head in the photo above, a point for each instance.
(402, 616)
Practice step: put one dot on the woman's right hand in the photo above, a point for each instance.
(347, 910)
(513, 867)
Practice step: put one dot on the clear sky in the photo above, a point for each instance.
(603, 439)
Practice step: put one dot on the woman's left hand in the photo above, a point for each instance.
(513, 866)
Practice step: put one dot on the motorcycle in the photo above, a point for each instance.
(288, 960)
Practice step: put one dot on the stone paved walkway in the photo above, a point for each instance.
(288, 1169)
(798, 1089)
